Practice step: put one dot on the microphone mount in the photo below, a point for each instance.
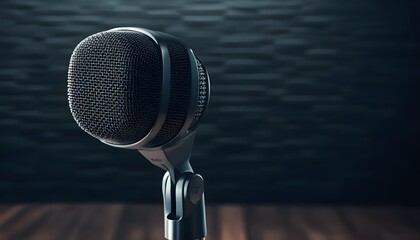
(185, 215)
(182, 189)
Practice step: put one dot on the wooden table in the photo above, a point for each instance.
(227, 222)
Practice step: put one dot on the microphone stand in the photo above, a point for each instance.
(182, 189)
(185, 216)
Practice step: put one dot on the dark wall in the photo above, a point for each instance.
(313, 101)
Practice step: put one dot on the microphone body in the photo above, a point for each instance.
(139, 89)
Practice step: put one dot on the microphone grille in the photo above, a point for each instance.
(113, 81)
(203, 94)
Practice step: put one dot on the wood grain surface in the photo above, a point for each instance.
(227, 222)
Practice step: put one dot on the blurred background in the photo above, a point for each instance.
(312, 131)
(313, 102)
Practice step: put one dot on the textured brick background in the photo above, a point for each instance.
(313, 101)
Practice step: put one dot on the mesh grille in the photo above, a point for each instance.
(180, 95)
(203, 94)
(113, 79)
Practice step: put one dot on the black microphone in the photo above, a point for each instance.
(146, 90)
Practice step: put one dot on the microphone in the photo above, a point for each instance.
(139, 89)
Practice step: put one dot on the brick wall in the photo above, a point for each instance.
(312, 101)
